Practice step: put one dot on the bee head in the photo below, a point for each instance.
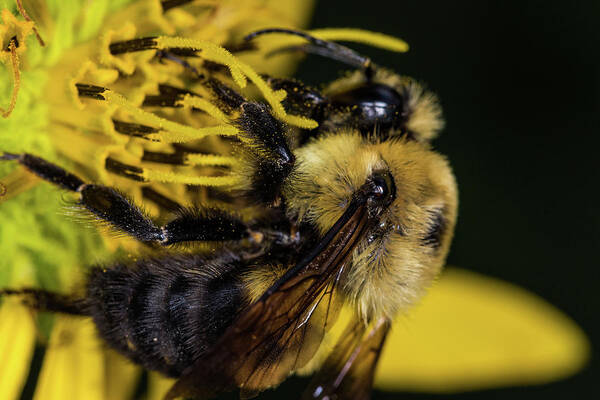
(383, 104)
(373, 100)
(411, 199)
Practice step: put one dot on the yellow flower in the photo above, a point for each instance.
(494, 334)
(474, 332)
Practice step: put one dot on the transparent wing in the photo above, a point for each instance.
(349, 371)
(282, 331)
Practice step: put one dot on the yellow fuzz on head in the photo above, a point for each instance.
(424, 114)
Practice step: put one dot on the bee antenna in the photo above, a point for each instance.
(323, 48)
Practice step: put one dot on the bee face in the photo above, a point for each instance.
(411, 222)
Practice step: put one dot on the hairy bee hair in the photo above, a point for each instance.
(421, 115)
(401, 256)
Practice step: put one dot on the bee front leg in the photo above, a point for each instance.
(118, 211)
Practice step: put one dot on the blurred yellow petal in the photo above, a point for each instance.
(74, 362)
(18, 181)
(473, 332)
(158, 386)
(295, 12)
(17, 337)
(122, 376)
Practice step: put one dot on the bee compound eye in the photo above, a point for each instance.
(382, 186)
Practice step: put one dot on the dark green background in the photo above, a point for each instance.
(519, 83)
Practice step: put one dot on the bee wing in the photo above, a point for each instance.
(282, 330)
(348, 372)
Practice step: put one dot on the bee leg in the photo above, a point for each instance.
(113, 207)
(266, 133)
(265, 140)
(324, 48)
(42, 300)
(268, 152)
(301, 99)
(46, 170)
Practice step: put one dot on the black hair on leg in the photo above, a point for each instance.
(114, 208)
(42, 300)
(266, 133)
(269, 150)
(47, 171)
(301, 99)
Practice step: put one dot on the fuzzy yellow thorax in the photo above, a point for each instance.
(391, 272)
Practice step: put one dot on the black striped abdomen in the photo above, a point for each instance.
(165, 313)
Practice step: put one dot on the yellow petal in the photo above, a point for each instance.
(474, 332)
(17, 337)
(158, 386)
(294, 11)
(122, 376)
(18, 181)
(74, 362)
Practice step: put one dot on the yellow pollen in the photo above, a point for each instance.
(170, 177)
(16, 80)
(172, 132)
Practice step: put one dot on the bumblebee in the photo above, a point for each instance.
(359, 211)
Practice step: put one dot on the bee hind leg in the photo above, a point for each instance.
(42, 300)
(114, 208)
